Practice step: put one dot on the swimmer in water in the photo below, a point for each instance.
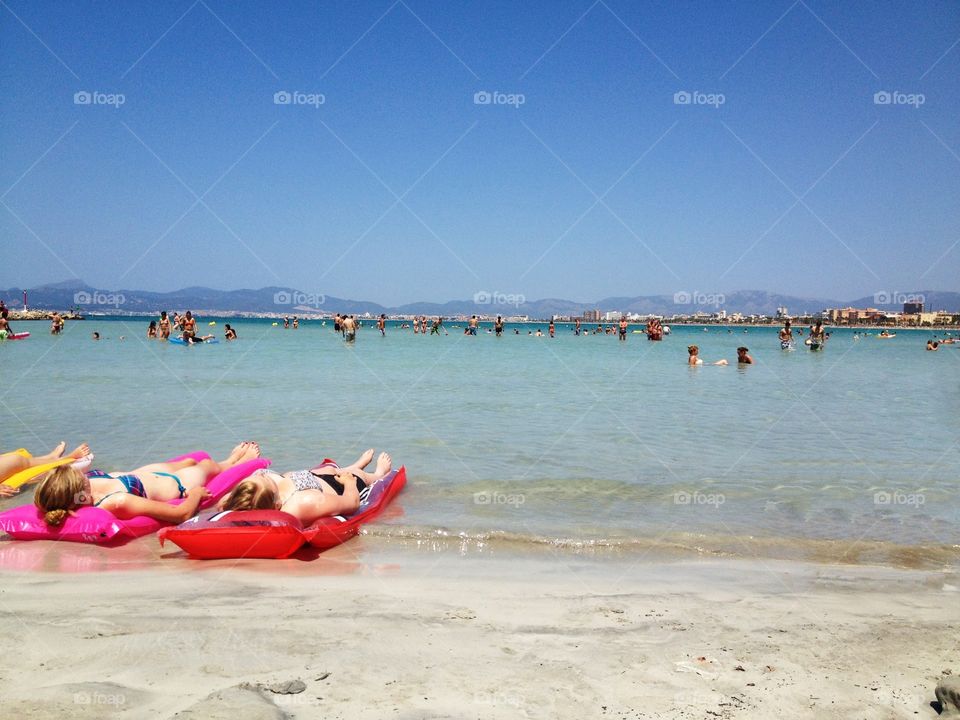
(695, 360)
(743, 356)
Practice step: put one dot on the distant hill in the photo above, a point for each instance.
(286, 300)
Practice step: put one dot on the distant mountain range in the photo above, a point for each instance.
(286, 300)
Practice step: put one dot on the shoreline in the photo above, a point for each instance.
(498, 637)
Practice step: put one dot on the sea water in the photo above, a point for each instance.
(576, 442)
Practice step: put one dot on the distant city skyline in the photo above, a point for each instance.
(423, 151)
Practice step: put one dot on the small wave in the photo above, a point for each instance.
(680, 544)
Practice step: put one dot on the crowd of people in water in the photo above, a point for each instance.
(308, 495)
(184, 328)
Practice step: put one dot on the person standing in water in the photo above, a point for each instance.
(296, 322)
(473, 324)
(382, 325)
(498, 326)
(576, 327)
(229, 333)
(551, 328)
(189, 325)
(437, 324)
(817, 335)
(349, 326)
(786, 335)
(623, 328)
(164, 328)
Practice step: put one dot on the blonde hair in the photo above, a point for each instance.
(58, 493)
(250, 495)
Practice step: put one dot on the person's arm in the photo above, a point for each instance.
(126, 506)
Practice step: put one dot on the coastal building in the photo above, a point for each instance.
(912, 308)
(591, 316)
(782, 313)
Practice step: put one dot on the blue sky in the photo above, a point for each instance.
(782, 174)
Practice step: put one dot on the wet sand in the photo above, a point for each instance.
(378, 629)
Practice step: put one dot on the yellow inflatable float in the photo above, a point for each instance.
(25, 476)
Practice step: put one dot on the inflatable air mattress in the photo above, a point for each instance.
(273, 533)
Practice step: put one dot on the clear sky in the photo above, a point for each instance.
(586, 177)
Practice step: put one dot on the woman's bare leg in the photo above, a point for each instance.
(359, 464)
(11, 464)
(384, 465)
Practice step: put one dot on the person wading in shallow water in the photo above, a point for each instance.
(349, 326)
(623, 329)
(382, 325)
(164, 326)
(498, 326)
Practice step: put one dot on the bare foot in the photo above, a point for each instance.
(365, 459)
(81, 451)
(54, 454)
(384, 464)
(235, 454)
(251, 451)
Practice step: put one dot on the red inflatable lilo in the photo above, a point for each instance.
(274, 533)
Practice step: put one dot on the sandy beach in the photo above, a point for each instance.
(375, 630)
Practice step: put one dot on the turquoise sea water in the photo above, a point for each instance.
(848, 454)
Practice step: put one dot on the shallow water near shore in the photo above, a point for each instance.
(579, 444)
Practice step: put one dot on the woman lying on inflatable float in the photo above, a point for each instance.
(309, 494)
(146, 491)
(19, 467)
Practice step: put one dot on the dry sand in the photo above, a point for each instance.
(385, 630)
